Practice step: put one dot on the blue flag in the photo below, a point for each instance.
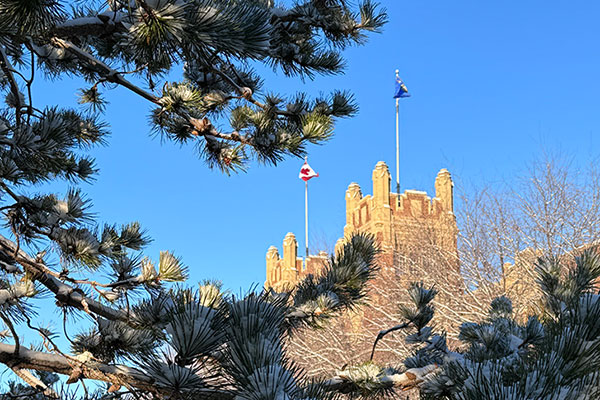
(400, 90)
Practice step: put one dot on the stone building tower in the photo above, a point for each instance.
(399, 222)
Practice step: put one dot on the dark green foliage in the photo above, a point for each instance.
(177, 343)
(341, 285)
(555, 357)
(30, 16)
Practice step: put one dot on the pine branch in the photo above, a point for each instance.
(341, 286)
(110, 74)
(384, 332)
(63, 292)
(41, 361)
(200, 127)
(370, 379)
(101, 25)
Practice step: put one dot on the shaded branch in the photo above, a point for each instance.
(14, 88)
(381, 334)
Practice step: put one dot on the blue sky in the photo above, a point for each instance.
(492, 83)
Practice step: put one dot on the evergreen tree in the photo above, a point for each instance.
(140, 335)
(551, 356)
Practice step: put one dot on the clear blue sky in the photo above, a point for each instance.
(492, 84)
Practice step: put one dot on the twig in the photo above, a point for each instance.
(12, 194)
(381, 334)
(47, 339)
(10, 325)
(65, 326)
(245, 94)
(85, 389)
(15, 205)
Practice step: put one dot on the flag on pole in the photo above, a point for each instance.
(400, 90)
(306, 172)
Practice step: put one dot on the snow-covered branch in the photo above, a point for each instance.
(41, 361)
(63, 292)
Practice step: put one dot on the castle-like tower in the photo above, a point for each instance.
(399, 222)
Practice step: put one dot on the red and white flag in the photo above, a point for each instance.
(306, 172)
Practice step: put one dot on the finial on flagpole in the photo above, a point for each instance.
(397, 73)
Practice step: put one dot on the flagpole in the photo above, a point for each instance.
(306, 173)
(306, 216)
(397, 144)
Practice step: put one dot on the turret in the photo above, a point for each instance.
(444, 190)
(381, 212)
(290, 253)
(381, 184)
(273, 272)
(353, 197)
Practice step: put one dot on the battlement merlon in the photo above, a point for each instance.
(273, 266)
(290, 251)
(381, 185)
(444, 190)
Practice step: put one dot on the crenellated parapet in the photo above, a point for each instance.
(396, 220)
(287, 271)
(393, 218)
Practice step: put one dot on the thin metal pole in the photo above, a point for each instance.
(306, 215)
(397, 147)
